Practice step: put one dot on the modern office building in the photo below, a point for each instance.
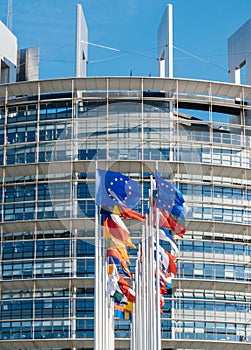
(53, 135)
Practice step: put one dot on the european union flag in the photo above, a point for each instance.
(170, 201)
(114, 188)
(168, 197)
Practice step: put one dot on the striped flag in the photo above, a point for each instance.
(116, 229)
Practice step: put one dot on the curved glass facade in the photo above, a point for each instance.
(53, 134)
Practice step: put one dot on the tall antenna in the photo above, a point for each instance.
(9, 17)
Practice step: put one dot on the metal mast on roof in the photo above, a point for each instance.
(165, 44)
(9, 16)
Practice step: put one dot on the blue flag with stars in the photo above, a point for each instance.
(168, 197)
(114, 188)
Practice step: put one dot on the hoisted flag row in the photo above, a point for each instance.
(117, 195)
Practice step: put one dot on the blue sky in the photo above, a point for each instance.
(201, 27)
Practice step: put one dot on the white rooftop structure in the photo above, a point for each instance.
(165, 44)
(239, 45)
(81, 43)
(8, 55)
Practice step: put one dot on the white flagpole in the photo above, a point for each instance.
(97, 289)
(149, 289)
(101, 305)
(133, 323)
(153, 292)
(151, 274)
(158, 320)
(105, 321)
(144, 293)
(136, 318)
(140, 332)
(110, 323)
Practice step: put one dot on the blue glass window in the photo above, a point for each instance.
(86, 190)
(22, 211)
(85, 308)
(51, 308)
(24, 133)
(18, 250)
(18, 309)
(60, 190)
(52, 248)
(86, 208)
(17, 270)
(50, 268)
(85, 267)
(21, 154)
(60, 110)
(85, 248)
(19, 193)
(85, 328)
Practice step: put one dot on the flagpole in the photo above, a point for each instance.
(153, 290)
(100, 285)
(158, 320)
(144, 293)
(97, 319)
(149, 287)
(140, 331)
(135, 319)
(106, 328)
(138, 280)
(152, 284)
(132, 342)
(110, 323)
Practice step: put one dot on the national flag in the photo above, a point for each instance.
(170, 221)
(125, 269)
(120, 312)
(163, 258)
(128, 306)
(126, 290)
(111, 252)
(119, 296)
(115, 228)
(128, 243)
(112, 283)
(120, 263)
(165, 280)
(162, 303)
(114, 188)
(166, 260)
(124, 212)
(113, 288)
(127, 316)
(172, 265)
(110, 268)
(165, 235)
(120, 248)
